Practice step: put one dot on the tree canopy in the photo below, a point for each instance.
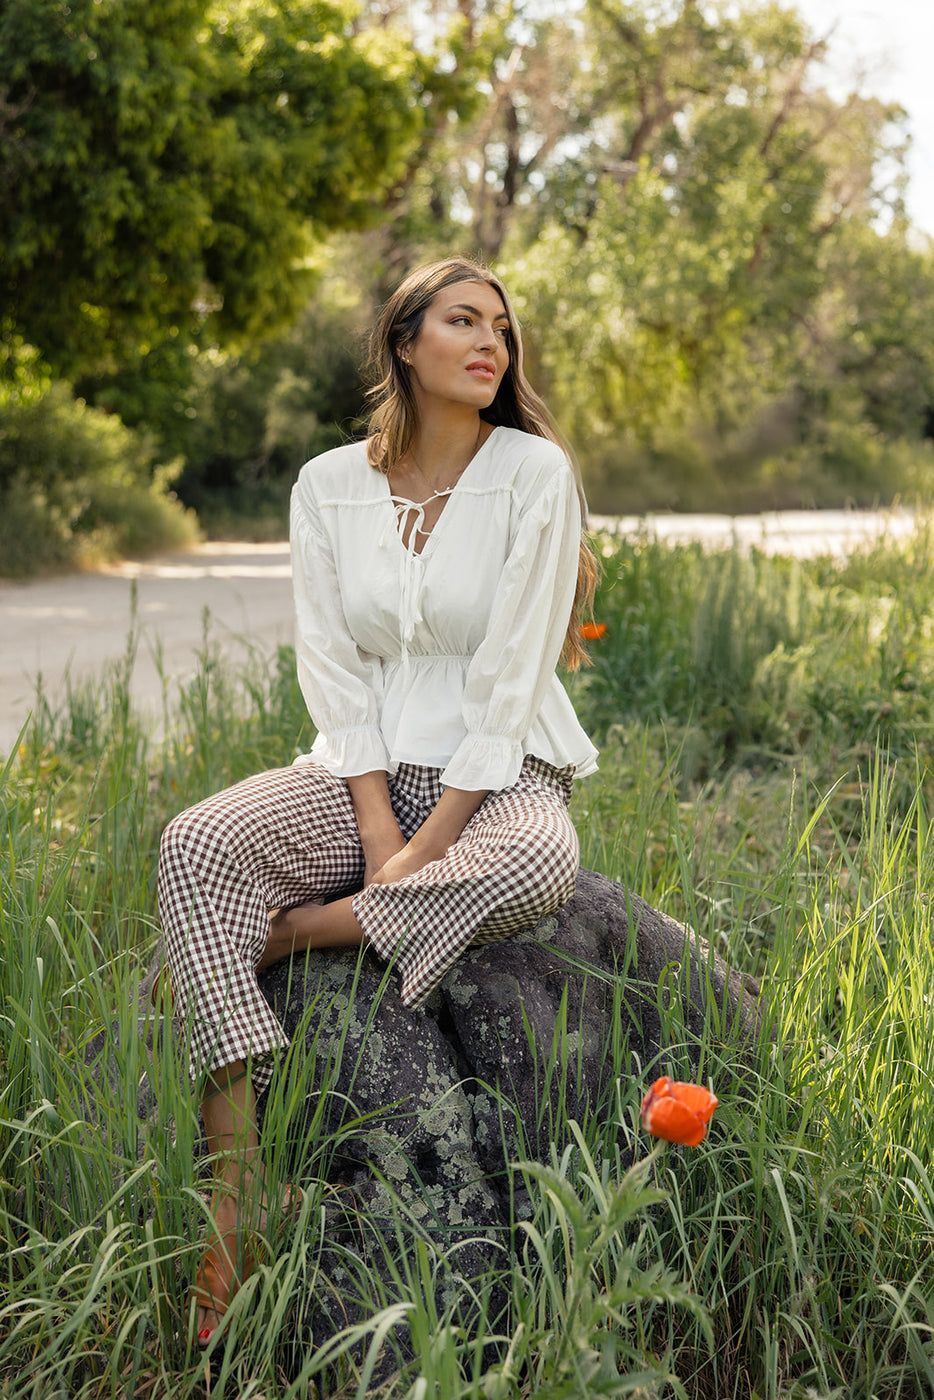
(711, 250)
(166, 168)
(724, 302)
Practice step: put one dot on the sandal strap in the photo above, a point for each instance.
(162, 986)
(213, 1288)
(216, 1281)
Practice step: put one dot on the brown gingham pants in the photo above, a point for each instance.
(288, 836)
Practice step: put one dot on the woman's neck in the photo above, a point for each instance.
(443, 446)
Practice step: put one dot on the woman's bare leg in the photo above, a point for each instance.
(229, 1112)
(310, 926)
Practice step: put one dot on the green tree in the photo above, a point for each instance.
(253, 418)
(687, 266)
(166, 169)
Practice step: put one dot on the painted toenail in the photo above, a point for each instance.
(204, 1335)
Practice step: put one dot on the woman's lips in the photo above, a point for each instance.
(482, 371)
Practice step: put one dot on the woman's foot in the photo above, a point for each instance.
(311, 925)
(220, 1272)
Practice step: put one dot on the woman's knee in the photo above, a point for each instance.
(548, 856)
(190, 831)
(174, 838)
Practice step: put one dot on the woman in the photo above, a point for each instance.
(439, 572)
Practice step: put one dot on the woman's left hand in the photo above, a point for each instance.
(434, 838)
(404, 862)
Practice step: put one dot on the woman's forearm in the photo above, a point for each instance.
(369, 793)
(444, 825)
(380, 835)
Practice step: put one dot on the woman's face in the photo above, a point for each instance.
(462, 349)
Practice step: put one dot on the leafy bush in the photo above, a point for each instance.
(248, 421)
(77, 485)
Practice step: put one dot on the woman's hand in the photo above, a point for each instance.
(402, 863)
(379, 851)
(387, 854)
(437, 833)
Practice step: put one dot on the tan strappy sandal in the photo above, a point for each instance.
(162, 987)
(217, 1281)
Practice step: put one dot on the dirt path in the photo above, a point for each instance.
(76, 625)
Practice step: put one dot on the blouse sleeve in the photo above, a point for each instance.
(339, 682)
(512, 668)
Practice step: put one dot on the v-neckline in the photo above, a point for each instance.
(429, 535)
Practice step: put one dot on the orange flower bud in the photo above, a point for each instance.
(677, 1112)
(592, 631)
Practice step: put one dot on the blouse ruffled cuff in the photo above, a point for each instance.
(484, 763)
(348, 752)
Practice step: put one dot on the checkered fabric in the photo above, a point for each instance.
(515, 862)
(289, 835)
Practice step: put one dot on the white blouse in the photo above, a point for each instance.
(444, 658)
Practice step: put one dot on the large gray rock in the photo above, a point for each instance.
(446, 1096)
(415, 1116)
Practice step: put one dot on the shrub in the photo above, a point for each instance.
(77, 485)
(251, 419)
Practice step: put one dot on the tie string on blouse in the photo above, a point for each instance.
(411, 566)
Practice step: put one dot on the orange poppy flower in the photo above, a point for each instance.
(592, 631)
(677, 1112)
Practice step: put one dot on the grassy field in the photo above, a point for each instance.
(765, 776)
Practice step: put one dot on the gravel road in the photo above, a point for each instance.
(77, 624)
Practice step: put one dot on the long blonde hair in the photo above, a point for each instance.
(394, 416)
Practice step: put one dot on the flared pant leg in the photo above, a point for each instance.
(515, 863)
(277, 839)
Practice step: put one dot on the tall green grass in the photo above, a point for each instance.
(789, 1256)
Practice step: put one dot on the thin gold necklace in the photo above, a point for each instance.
(443, 490)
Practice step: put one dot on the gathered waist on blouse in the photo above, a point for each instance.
(414, 657)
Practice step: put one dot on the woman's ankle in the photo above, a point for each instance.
(280, 941)
(233, 1201)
